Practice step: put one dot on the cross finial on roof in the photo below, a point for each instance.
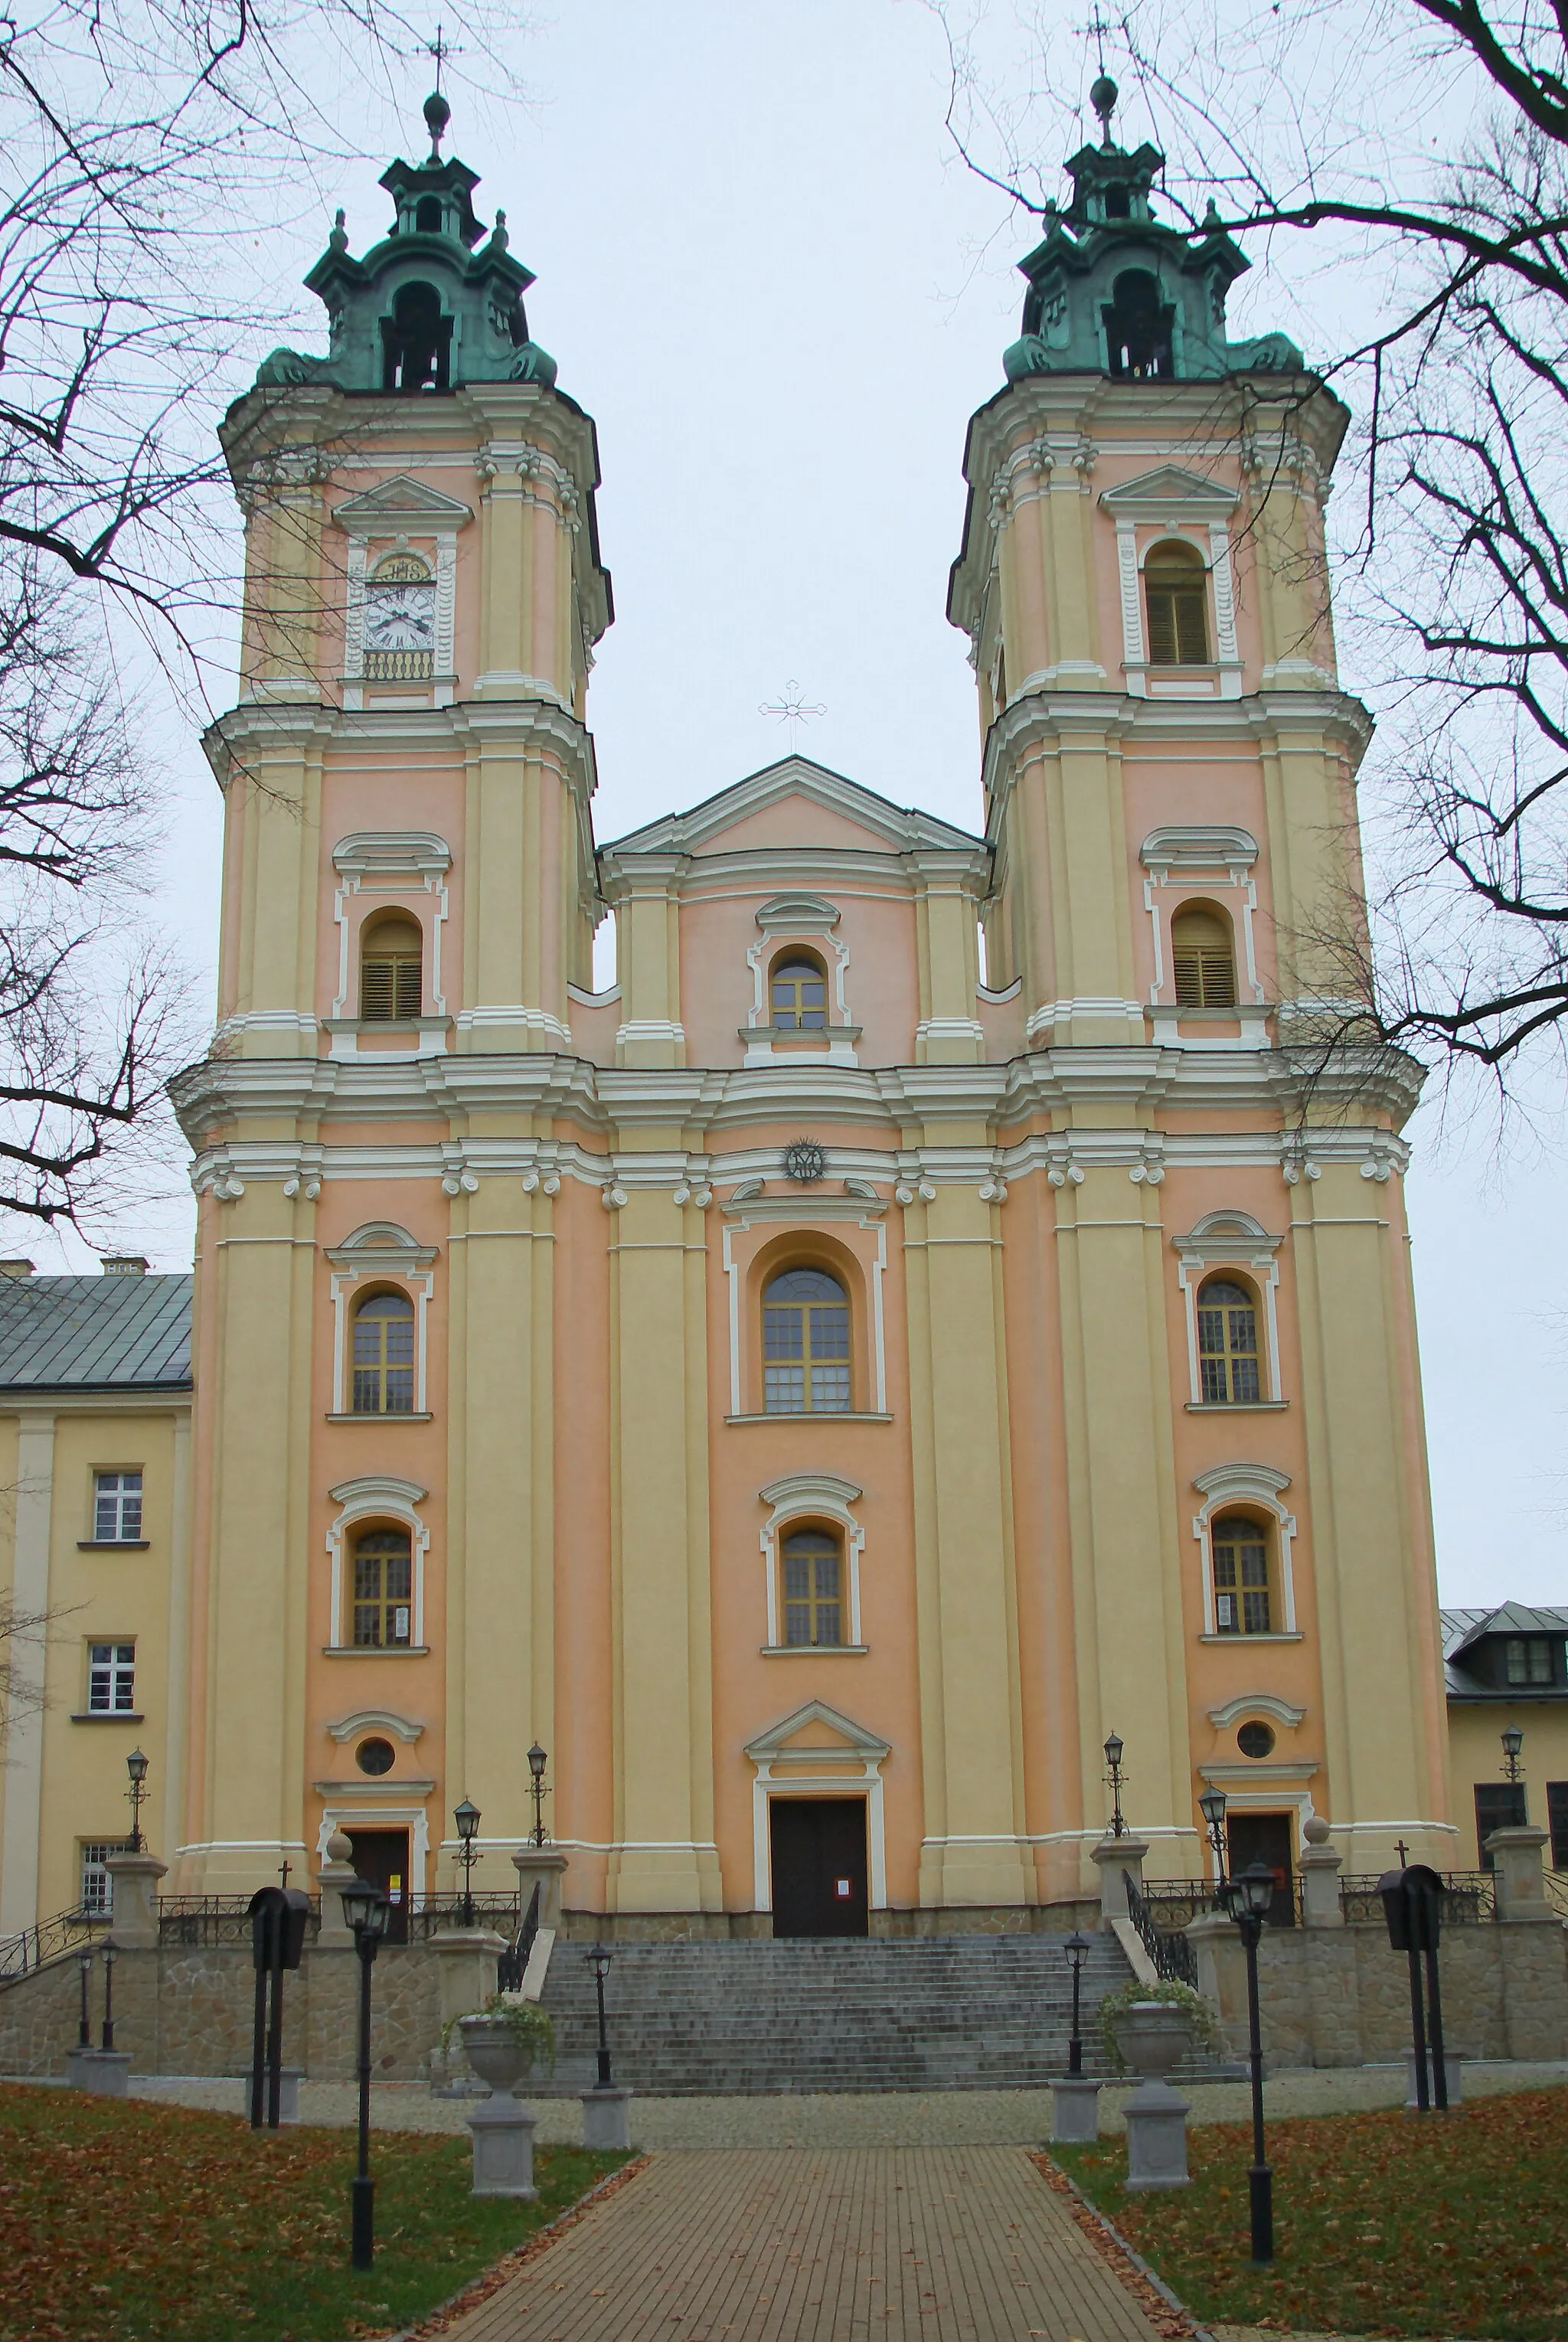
(790, 709)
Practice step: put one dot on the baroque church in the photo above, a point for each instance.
(822, 1388)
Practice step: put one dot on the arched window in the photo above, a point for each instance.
(806, 1345)
(400, 621)
(798, 993)
(1138, 329)
(813, 1563)
(1176, 597)
(415, 342)
(1241, 1548)
(383, 1589)
(1227, 1344)
(1202, 959)
(427, 215)
(383, 1355)
(391, 955)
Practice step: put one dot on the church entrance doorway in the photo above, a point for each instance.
(1265, 1837)
(819, 1866)
(381, 1858)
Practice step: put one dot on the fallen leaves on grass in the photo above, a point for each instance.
(1385, 2224)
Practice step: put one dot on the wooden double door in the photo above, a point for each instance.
(381, 1858)
(819, 1866)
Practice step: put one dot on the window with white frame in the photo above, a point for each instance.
(111, 1678)
(97, 1886)
(117, 1508)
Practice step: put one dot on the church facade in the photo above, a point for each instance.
(941, 1308)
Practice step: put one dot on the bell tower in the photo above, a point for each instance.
(1169, 772)
(409, 901)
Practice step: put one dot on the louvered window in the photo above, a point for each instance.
(384, 1355)
(383, 1590)
(389, 980)
(1242, 1591)
(1176, 595)
(806, 1345)
(1202, 960)
(814, 1601)
(1227, 1344)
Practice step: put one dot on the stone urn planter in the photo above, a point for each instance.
(501, 2126)
(1152, 2036)
(495, 2053)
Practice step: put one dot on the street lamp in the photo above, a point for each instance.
(1512, 1742)
(1247, 1898)
(601, 1957)
(108, 2040)
(367, 1911)
(467, 1820)
(137, 1766)
(1212, 1805)
(1077, 1950)
(537, 1760)
(84, 2031)
(1113, 1783)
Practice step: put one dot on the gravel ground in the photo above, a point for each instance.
(880, 2118)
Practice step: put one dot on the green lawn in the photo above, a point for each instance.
(121, 2221)
(1385, 2224)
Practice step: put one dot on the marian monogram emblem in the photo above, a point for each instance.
(804, 1160)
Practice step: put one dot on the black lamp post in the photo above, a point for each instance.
(1247, 1898)
(601, 1957)
(467, 1820)
(367, 1911)
(84, 2030)
(108, 2037)
(1113, 1783)
(1077, 1950)
(137, 1766)
(1212, 1805)
(1512, 1742)
(537, 1760)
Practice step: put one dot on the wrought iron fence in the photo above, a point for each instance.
(201, 1920)
(495, 1911)
(1176, 1904)
(52, 1939)
(1173, 1957)
(1555, 1883)
(512, 1965)
(1469, 1896)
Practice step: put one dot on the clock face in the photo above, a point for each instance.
(400, 618)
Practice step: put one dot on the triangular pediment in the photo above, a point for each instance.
(401, 505)
(818, 1730)
(1168, 492)
(884, 828)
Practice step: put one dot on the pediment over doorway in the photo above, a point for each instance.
(813, 1732)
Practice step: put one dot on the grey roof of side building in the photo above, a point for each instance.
(1464, 1628)
(94, 1334)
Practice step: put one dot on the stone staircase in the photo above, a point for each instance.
(818, 2014)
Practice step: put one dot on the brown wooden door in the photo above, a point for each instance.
(819, 1866)
(1265, 1837)
(381, 1858)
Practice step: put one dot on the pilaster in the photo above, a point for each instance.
(23, 1771)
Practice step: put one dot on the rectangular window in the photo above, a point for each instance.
(111, 1678)
(1529, 1659)
(117, 1508)
(1557, 1822)
(97, 1886)
(1499, 1805)
(813, 1612)
(383, 1591)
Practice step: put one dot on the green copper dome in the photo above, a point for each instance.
(424, 312)
(1114, 291)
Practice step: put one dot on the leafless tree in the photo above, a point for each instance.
(139, 139)
(1420, 150)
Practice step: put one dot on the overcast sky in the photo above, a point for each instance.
(763, 273)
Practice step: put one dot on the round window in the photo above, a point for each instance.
(379, 1755)
(1255, 1740)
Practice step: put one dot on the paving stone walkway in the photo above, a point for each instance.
(875, 2244)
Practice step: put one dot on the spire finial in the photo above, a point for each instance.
(437, 115)
(338, 240)
(1102, 98)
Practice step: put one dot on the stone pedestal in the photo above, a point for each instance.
(1074, 2111)
(1453, 2074)
(1118, 1859)
(466, 1961)
(1319, 1865)
(1516, 1858)
(543, 1866)
(1156, 2120)
(103, 2071)
(503, 2134)
(135, 1877)
(336, 1872)
(607, 2119)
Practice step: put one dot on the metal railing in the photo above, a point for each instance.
(1469, 1896)
(1176, 1904)
(495, 1911)
(1173, 1957)
(512, 1965)
(199, 1921)
(52, 1939)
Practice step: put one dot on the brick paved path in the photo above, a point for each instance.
(869, 2245)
